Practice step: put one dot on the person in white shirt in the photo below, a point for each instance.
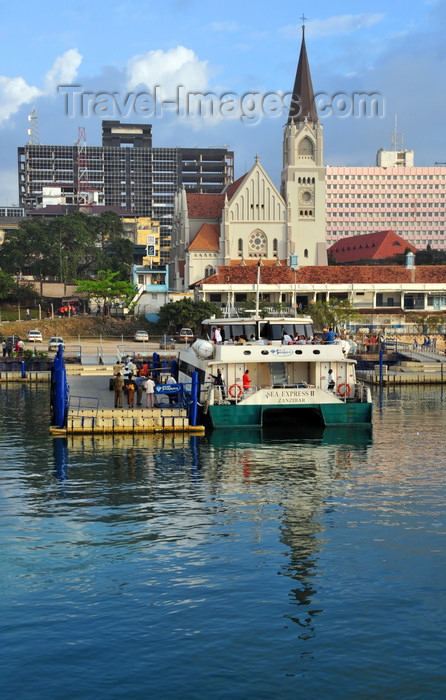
(150, 392)
(172, 380)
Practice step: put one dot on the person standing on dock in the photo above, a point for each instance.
(139, 379)
(150, 392)
(119, 386)
(130, 390)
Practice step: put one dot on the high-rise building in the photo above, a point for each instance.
(126, 171)
(395, 194)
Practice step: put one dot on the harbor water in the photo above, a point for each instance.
(233, 565)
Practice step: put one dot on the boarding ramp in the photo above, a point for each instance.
(413, 352)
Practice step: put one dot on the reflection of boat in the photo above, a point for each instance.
(348, 436)
(289, 384)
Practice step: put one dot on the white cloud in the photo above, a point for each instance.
(338, 25)
(168, 69)
(63, 70)
(225, 27)
(14, 92)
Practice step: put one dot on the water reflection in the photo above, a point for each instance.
(244, 549)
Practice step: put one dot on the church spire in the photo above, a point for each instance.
(302, 103)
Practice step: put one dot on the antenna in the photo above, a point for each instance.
(33, 131)
(397, 137)
(83, 187)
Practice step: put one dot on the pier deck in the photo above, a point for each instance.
(92, 410)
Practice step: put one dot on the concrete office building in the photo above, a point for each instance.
(126, 172)
(395, 194)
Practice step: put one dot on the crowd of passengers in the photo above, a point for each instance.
(327, 337)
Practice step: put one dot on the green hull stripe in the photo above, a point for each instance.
(239, 416)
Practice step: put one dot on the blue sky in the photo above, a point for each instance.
(394, 49)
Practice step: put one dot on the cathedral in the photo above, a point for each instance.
(251, 222)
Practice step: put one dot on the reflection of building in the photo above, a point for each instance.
(125, 172)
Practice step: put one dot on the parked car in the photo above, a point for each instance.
(186, 335)
(167, 343)
(141, 336)
(54, 343)
(34, 336)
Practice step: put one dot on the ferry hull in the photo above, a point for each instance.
(258, 416)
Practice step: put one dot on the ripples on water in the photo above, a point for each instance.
(230, 566)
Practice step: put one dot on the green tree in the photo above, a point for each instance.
(333, 313)
(119, 254)
(106, 288)
(422, 321)
(250, 305)
(67, 247)
(186, 313)
(6, 284)
(28, 248)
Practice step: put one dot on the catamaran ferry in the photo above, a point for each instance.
(250, 379)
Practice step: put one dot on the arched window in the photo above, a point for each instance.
(240, 248)
(305, 147)
(306, 253)
(209, 271)
(257, 244)
(275, 246)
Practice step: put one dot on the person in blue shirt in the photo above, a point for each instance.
(328, 336)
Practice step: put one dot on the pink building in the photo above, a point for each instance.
(409, 200)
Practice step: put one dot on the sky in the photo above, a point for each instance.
(134, 57)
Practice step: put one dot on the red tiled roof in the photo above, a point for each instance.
(232, 189)
(369, 246)
(207, 238)
(205, 206)
(349, 274)
(210, 206)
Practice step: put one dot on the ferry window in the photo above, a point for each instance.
(264, 330)
(298, 352)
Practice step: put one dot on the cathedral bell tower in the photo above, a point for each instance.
(303, 173)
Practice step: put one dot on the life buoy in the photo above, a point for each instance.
(235, 390)
(344, 389)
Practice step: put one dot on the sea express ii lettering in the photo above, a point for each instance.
(284, 395)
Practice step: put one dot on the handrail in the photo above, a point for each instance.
(94, 406)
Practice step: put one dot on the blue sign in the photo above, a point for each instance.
(168, 388)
